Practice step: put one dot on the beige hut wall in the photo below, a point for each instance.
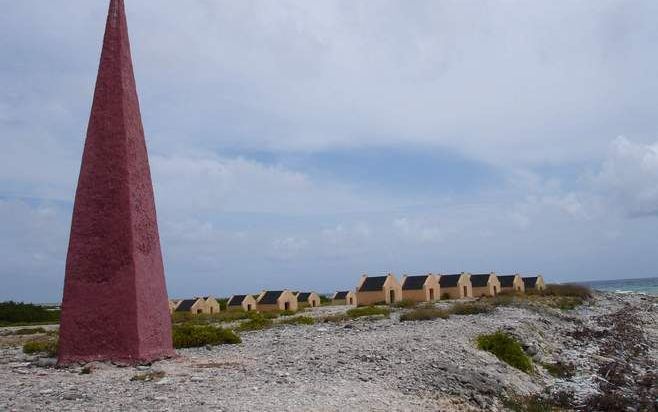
(492, 288)
(457, 292)
(249, 304)
(268, 308)
(211, 306)
(540, 285)
(346, 301)
(517, 285)
(289, 297)
(392, 284)
(371, 298)
(314, 300)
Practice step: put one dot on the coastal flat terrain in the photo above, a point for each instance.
(372, 364)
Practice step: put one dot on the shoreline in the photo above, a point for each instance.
(374, 364)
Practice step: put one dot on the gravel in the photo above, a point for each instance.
(364, 364)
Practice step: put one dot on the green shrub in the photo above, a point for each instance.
(568, 289)
(287, 313)
(470, 308)
(368, 311)
(559, 369)
(193, 336)
(257, 321)
(28, 331)
(506, 348)
(405, 303)
(49, 346)
(223, 304)
(12, 313)
(298, 320)
(424, 314)
(445, 296)
(325, 300)
(337, 318)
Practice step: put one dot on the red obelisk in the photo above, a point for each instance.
(115, 299)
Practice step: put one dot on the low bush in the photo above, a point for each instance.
(28, 331)
(12, 313)
(505, 348)
(48, 346)
(340, 317)
(445, 296)
(559, 369)
(287, 313)
(535, 403)
(257, 321)
(405, 303)
(424, 314)
(193, 336)
(298, 320)
(368, 311)
(568, 289)
(471, 308)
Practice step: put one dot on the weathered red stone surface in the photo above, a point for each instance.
(115, 299)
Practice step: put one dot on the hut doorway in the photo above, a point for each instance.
(286, 306)
(431, 293)
(248, 307)
(351, 303)
(391, 296)
(465, 291)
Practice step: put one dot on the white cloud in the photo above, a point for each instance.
(629, 177)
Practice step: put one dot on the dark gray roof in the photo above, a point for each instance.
(530, 282)
(506, 281)
(373, 283)
(341, 295)
(236, 300)
(270, 297)
(186, 305)
(478, 281)
(303, 296)
(414, 282)
(449, 281)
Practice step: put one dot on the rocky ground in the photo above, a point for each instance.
(609, 349)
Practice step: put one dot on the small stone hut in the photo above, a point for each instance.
(346, 297)
(241, 302)
(423, 288)
(511, 283)
(196, 306)
(378, 290)
(173, 303)
(485, 285)
(276, 300)
(456, 286)
(534, 283)
(212, 306)
(308, 299)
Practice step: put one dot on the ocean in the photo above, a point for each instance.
(645, 285)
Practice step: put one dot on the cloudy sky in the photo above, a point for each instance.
(299, 144)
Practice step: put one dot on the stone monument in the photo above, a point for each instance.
(115, 300)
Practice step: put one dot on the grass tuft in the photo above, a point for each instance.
(427, 313)
(368, 311)
(258, 321)
(298, 320)
(559, 369)
(506, 348)
(471, 308)
(193, 336)
(49, 346)
(405, 303)
(28, 331)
